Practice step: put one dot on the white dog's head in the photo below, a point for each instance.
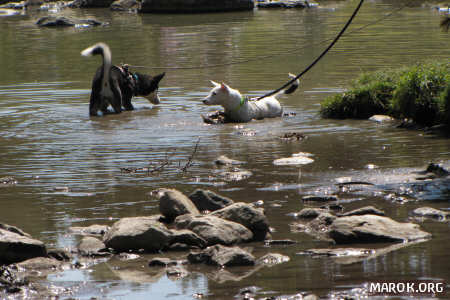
(219, 95)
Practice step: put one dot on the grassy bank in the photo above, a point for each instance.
(420, 93)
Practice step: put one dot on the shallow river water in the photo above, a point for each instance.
(68, 165)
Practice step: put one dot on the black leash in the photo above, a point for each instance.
(318, 58)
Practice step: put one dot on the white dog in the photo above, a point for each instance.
(239, 108)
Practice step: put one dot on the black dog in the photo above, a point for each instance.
(116, 86)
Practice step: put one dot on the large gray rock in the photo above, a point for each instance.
(372, 229)
(222, 256)
(194, 6)
(138, 233)
(208, 200)
(246, 215)
(17, 246)
(215, 230)
(91, 246)
(173, 203)
(366, 210)
(186, 239)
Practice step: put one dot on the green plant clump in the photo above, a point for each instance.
(420, 93)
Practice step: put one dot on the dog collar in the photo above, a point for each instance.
(243, 99)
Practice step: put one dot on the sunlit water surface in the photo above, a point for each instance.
(68, 165)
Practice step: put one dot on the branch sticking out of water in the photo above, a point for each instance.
(160, 166)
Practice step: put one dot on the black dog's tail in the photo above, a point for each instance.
(103, 50)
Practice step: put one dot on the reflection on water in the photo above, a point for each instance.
(68, 164)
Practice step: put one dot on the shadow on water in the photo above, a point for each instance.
(68, 165)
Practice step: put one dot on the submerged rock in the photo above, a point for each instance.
(283, 4)
(206, 200)
(60, 21)
(310, 213)
(373, 229)
(136, 234)
(215, 230)
(90, 3)
(194, 6)
(225, 161)
(248, 216)
(222, 256)
(316, 198)
(90, 230)
(429, 212)
(17, 246)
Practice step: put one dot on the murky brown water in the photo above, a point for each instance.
(48, 141)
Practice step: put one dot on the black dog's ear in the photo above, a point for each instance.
(158, 77)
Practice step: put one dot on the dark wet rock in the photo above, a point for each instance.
(315, 198)
(162, 262)
(215, 118)
(90, 230)
(138, 233)
(271, 259)
(90, 3)
(16, 247)
(310, 213)
(194, 6)
(286, 242)
(225, 161)
(433, 171)
(173, 203)
(235, 174)
(8, 180)
(246, 215)
(223, 256)
(429, 212)
(215, 230)
(40, 263)
(367, 210)
(186, 239)
(125, 5)
(293, 136)
(373, 229)
(206, 200)
(60, 21)
(91, 246)
(282, 4)
(59, 254)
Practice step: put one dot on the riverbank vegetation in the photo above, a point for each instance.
(420, 93)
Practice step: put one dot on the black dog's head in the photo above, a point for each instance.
(147, 86)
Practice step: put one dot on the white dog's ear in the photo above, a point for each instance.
(214, 83)
(224, 87)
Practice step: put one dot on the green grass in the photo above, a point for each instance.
(420, 93)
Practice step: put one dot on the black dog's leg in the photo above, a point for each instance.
(126, 98)
(116, 102)
(94, 102)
